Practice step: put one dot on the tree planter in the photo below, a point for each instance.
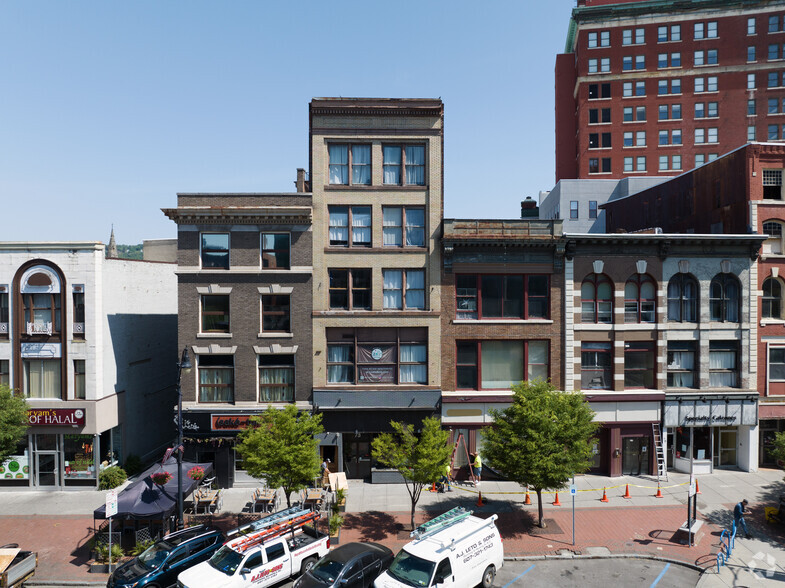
(335, 539)
(102, 568)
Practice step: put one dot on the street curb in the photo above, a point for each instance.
(63, 583)
(607, 556)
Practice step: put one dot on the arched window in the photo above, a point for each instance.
(640, 296)
(772, 299)
(597, 299)
(773, 244)
(683, 299)
(724, 298)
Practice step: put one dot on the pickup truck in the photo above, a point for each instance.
(258, 565)
(21, 568)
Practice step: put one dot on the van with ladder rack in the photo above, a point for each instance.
(454, 550)
(262, 553)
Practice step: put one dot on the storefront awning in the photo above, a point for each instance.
(377, 399)
(771, 411)
(705, 410)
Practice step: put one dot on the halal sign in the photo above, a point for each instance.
(376, 353)
(74, 417)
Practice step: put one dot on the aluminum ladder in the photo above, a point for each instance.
(662, 465)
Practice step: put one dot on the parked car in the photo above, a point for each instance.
(159, 565)
(353, 565)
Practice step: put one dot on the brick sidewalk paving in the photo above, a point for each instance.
(62, 554)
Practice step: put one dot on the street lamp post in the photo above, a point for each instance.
(183, 366)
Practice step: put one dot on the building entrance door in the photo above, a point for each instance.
(47, 469)
(635, 456)
(727, 449)
(357, 456)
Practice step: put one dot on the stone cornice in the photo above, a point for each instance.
(253, 215)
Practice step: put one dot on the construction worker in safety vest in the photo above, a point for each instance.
(477, 468)
(446, 478)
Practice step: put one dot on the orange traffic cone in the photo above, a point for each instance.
(528, 500)
(479, 500)
(627, 493)
(433, 487)
(604, 496)
(659, 492)
(556, 502)
(697, 487)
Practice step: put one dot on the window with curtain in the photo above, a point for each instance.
(339, 164)
(350, 226)
(340, 363)
(772, 299)
(404, 164)
(683, 299)
(215, 313)
(773, 244)
(216, 378)
(497, 365)
(404, 289)
(361, 164)
(344, 157)
(537, 360)
(597, 299)
(681, 364)
(276, 313)
(596, 366)
(501, 296)
(42, 313)
(502, 364)
(466, 296)
(215, 250)
(640, 294)
(79, 379)
(41, 378)
(724, 298)
(638, 364)
(276, 378)
(413, 365)
(275, 250)
(392, 226)
(723, 364)
(404, 226)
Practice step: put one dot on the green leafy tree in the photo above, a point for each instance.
(420, 460)
(13, 421)
(281, 447)
(542, 439)
(778, 452)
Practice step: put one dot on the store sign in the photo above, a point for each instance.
(381, 374)
(42, 350)
(16, 467)
(52, 417)
(230, 422)
(710, 412)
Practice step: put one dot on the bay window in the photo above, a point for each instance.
(276, 378)
(496, 365)
(216, 378)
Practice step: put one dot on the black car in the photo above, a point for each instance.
(159, 564)
(354, 565)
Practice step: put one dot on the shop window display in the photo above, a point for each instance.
(79, 462)
(16, 469)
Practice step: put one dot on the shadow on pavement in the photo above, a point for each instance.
(373, 525)
(81, 555)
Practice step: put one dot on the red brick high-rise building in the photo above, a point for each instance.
(658, 87)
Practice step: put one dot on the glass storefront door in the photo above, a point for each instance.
(726, 452)
(635, 456)
(47, 469)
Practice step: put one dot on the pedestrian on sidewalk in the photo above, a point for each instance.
(326, 472)
(738, 517)
(445, 481)
(477, 468)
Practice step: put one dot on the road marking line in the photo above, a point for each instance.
(521, 576)
(662, 573)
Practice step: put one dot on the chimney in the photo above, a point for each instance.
(529, 208)
(301, 182)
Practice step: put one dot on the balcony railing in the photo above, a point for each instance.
(39, 328)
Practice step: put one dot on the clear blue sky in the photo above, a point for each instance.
(109, 108)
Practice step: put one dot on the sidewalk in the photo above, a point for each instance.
(58, 524)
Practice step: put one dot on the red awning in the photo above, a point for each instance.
(771, 411)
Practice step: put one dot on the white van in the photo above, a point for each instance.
(454, 550)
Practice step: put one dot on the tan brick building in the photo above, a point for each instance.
(376, 177)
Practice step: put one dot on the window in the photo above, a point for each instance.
(573, 209)
(594, 168)
(594, 140)
(636, 62)
(724, 298)
(699, 31)
(723, 364)
(596, 366)
(700, 136)
(773, 52)
(676, 162)
(675, 87)
(404, 289)
(640, 88)
(350, 289)
(350, 226)
(215, 250)
(215, 313)
(640, 294)
(626, 37)
(675, 60)
(599, 115)
(276, 378)
(699, 58)
(700, 159)
(216, 378)
(628, 164)
(772, 299)
(377, 356)
(712, 135)
(775, 79)
(628, 139)
(499, 364)
(501, 296)
(681, 364)
(640, 163)
(592, 209)
(773, 106)
(705, 57)
(403, 226)
(776, 364)
(750, 81)
(599, 91)
(640, 138)
(597, 299)
(675, 136)
(42, 314)
(638, 364)
(606, 165)
(774, 24)
(605, 64)
(41, 378)
(663, 163)
(640, 36)
(772, 184)
(773, 132)
(751, 26)
(665, 34)
(593, 40)
(404, 165)
(346, 157)
(751, 133)
(636, 114)
(4, 312)
(79, 379)
(627, 89)
(707, 109)
(5, 375)
(79, 320)
(633, 36)
(663, 112)
(773, 244)
(275, 251)
(276, 313)
(751, 53)
(683, 299)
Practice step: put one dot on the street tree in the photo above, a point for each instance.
(542, 439)
(778, 451)
(419, 459)
(280, 446)
(13, 421)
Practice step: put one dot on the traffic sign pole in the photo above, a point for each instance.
(573, 492)
(111, 510)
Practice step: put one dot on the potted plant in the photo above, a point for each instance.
(161, 478)
(334, 526)
(196, 473)
(340, 500)
(101, 555)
